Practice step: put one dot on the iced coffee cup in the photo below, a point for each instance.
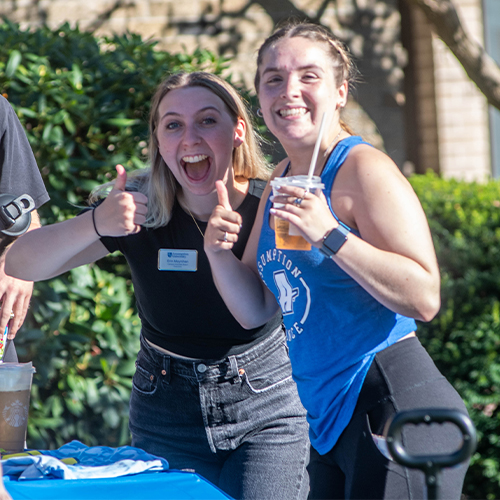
(287, 235)
(15, 389)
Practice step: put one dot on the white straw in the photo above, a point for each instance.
(314, 158)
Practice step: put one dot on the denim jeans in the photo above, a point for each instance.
(238, 422)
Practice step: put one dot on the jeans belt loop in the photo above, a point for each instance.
(166, 369)
(233, 372)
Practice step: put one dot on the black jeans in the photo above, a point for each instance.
(401, 377)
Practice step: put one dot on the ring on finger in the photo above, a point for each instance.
(225, 236)
(298, 201)
(12, 314)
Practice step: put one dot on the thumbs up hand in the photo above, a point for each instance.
(224, 224)
(122, 212)
(121, 179)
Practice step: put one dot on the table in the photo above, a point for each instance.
(168, 485)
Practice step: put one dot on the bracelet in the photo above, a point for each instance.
(93, 221)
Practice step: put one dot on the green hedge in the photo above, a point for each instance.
(84, 103)
(464, 338)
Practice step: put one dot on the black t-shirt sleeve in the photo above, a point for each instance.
(19, 173)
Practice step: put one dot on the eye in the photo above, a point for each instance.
(310, 76)
(274, 79)
(209, 120)
(172, 125)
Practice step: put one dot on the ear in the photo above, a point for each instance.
(239, 133)
(343, 91)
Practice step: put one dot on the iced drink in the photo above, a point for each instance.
(287, 235)
(15, 388)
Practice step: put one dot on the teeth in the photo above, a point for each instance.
(293, 111)
(194, 159)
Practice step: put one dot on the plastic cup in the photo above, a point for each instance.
(15, 389)
(287, 235)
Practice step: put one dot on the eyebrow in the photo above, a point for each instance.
(306, 67)
(206, 108)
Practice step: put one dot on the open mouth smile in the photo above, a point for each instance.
(285, 112)
(196, 167)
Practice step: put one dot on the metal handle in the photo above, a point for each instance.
(431, 465)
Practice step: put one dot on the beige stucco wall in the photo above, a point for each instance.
(453, 115)
(462, 110)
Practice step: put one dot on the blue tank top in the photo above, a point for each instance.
(334, 327)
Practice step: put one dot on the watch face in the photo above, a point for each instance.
(335, 240)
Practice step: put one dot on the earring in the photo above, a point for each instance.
(259, 113)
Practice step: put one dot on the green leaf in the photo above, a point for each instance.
(122, 122)
(13, 63)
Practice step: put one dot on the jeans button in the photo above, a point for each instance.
(201, 368)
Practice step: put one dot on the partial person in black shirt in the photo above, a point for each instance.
(207, 394)
(19, 174)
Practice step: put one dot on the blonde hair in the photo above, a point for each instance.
(157, 182)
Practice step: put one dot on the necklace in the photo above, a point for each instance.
(194, 220)
(327, 150)
(325, 154)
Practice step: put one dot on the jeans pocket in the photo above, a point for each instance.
(144, 381)
(258, 378)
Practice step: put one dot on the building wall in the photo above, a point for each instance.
(452, 119)
(425, 131)
(462, 110)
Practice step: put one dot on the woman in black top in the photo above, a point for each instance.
(207, 394)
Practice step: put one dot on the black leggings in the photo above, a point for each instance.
(401, 377)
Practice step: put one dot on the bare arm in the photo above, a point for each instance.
(238, 282)
(395, 259)
(57, 248)
(15, 294)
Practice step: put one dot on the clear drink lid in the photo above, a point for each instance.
(16, 376)
(16, 367)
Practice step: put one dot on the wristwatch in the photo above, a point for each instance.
(334, 240)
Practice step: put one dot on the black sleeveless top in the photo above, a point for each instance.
(182, 311)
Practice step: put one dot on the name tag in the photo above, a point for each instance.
(171, 259)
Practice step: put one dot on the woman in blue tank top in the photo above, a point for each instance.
(350, 303)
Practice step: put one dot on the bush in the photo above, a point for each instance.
(464, 339)
(84, 104)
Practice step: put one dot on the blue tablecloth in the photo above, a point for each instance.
(169, 485)
(78, 472)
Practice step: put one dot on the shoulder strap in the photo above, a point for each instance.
(256, 187)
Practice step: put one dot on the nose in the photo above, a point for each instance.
(290, 88)
(191, 136)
